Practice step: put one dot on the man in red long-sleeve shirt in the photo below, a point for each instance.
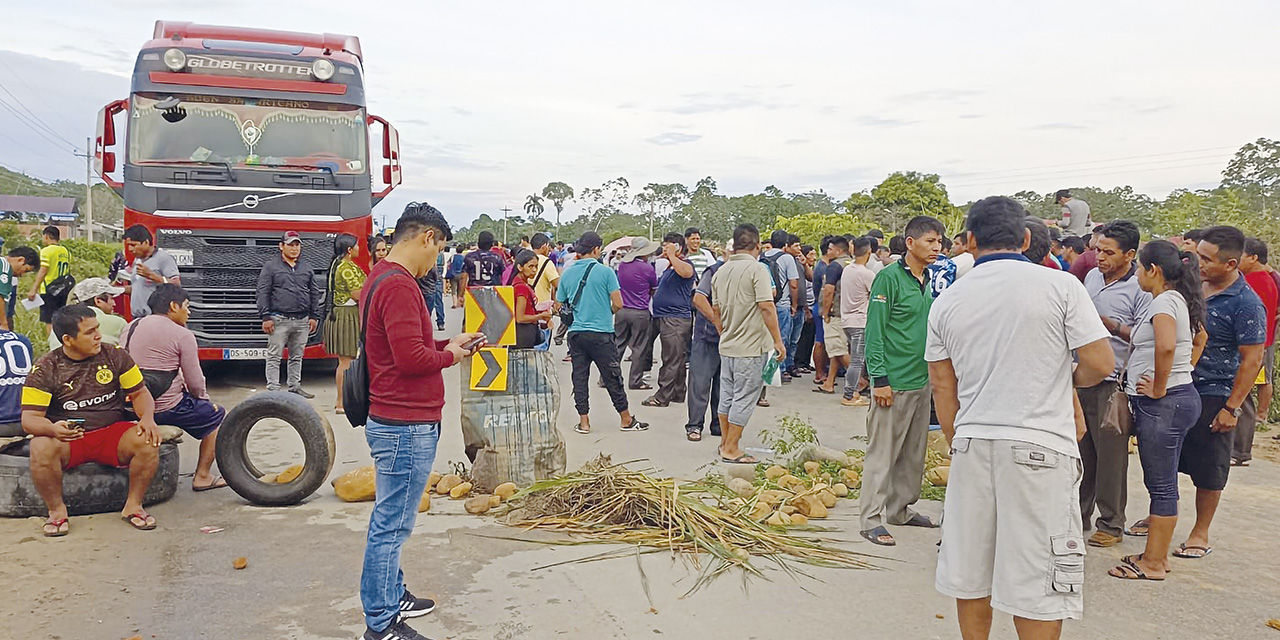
(406, 395)
(1253, 264)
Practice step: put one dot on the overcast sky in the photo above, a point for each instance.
(495, 99)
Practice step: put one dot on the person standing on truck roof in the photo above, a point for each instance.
(152, 267)
(289, 303)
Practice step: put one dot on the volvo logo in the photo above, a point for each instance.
(250, 201)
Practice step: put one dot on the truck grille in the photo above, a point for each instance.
(223, 281)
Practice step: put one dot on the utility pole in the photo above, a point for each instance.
(88, 186)
(505, 211)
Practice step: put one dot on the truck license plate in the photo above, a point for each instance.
(183, 257)
(244, 354)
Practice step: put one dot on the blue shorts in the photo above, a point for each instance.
(196, 416)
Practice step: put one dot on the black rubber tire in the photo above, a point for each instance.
(240, 473)
(87, 489)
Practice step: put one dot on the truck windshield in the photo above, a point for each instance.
(247, 132)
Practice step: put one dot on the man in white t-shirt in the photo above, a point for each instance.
(699, 257)
(961, 254)
(999, 347)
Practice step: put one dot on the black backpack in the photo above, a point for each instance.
(355, 381)
(779, 286)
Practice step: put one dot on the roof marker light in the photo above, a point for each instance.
(323, 69)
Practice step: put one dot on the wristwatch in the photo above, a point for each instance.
(1235, 412)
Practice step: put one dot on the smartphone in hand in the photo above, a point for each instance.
(472, 345)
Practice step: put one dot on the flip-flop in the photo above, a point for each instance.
(339, 411)
(873, 536)
(643, 387)
(920, 520)
(762, 403)
(1181, 551)
(217, 483)
(693, 436)
(635, 425)
(821, 390)
(1137, 556)
(1129, 570)
(650, 402)
(1138, 530)
(742, 459)
(579, 429)
(148, 521)
(58, 530)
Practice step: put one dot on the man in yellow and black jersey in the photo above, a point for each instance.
(73, 404)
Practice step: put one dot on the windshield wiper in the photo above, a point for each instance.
(226, 164)
(321, 167)
(221, 163)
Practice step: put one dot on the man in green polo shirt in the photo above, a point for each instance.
(898, 423)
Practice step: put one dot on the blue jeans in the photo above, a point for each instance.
(1162, 426)
(793, 339)
(436, 303)
(784, 332)
(402, 458)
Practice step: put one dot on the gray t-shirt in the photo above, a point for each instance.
(736, 290)
(1076, 213)
(787, 272)
(1123, 301)
(160, 262)
(1143, 359)
(1009, 329)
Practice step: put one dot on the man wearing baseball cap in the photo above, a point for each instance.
(98, 294)
(289, 303)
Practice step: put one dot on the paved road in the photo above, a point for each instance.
(107, 581)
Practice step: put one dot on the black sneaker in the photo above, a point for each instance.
(411, 607)
(397, 631)
(440, 327)
(302, 392)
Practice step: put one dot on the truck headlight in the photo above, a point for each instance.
(175, 59)
(322, 69)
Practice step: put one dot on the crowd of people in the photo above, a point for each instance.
(1037, 379)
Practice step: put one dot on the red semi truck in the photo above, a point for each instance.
(233, 136)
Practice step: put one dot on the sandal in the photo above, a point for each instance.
(635, 425)
(643, 387)
(148, 521)
(217, 483)
(874, 537)
(1138, 529)
(1129, 570)
(1187, 551)
(61, 527)
(651, 402)
(920, 520)
(745, 458)
(579, 429)
(821, 390)
(762, 402)
(693, 436)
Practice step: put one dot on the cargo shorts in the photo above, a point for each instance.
(1011, 529)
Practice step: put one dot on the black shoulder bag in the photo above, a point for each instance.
(355, 381)
(157, 381)
(566, 309)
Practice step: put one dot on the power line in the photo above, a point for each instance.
(24, 119)
(1094, 162)
(1078, 172)
(39, 96)
(37, 118)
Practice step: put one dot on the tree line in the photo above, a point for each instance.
(1246, 197)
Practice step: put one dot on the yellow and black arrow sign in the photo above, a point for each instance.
(489, 369)
(491, 311)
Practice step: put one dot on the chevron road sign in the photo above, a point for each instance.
(491, 311)
(489, 369)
